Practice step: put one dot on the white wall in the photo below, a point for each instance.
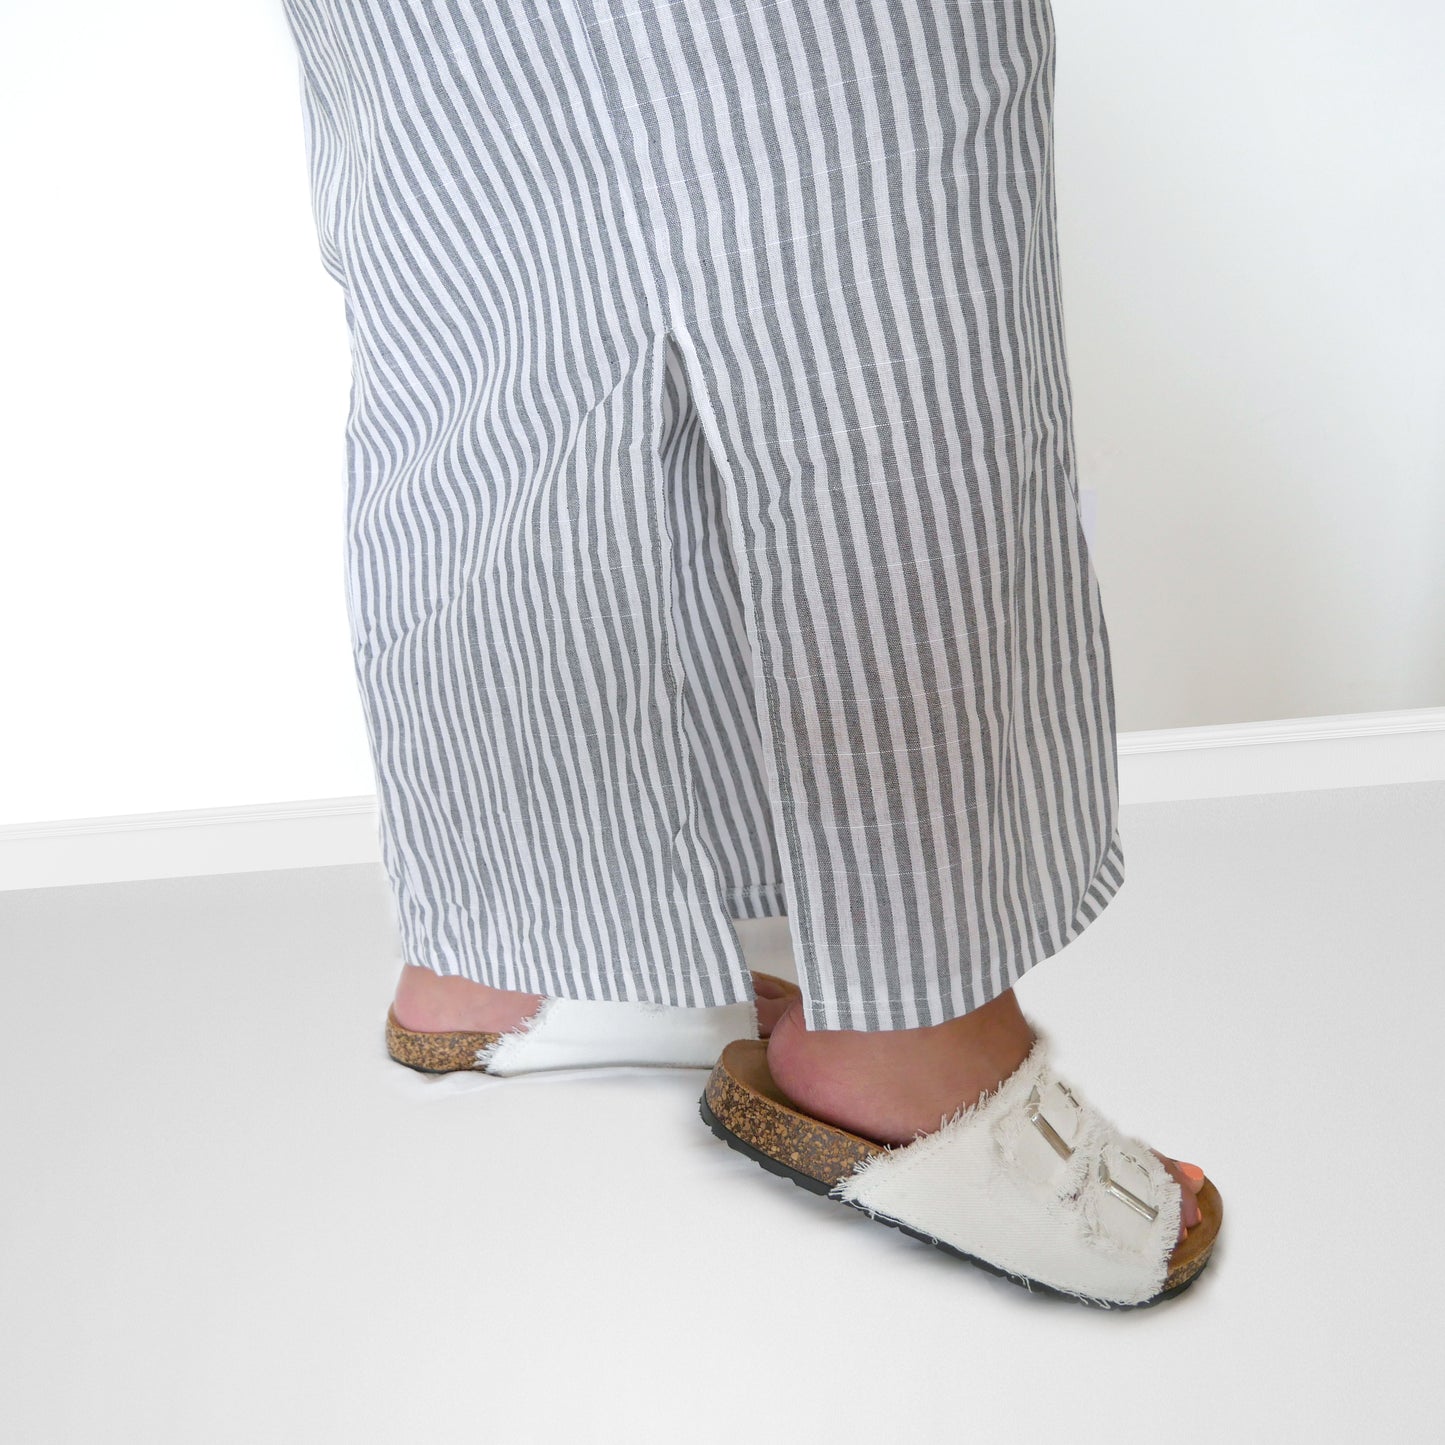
(1252, 221)
(1251, 214)
(176, 378)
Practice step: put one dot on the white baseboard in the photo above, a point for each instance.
(1291, 755)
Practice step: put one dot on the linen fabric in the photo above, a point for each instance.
(712, 541)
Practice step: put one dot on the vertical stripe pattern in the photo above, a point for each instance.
(712, 533)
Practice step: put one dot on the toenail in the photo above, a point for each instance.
(1192, 1172)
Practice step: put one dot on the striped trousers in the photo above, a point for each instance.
(712, 539)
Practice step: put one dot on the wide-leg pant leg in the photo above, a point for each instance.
(547, 625)
(853, 205)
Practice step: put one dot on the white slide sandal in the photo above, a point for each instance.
(578, 1034)
(1031, 1182)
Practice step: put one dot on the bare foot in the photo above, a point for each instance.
(436, 1003)
(893, 1085)
(444, 1003)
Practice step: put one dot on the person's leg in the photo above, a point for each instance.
(547, 634)
(731, 806)
(854, 207)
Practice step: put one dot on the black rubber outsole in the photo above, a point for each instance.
(816, 1186)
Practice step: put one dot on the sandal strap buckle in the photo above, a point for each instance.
(1112, 1186)
(1034, 1112)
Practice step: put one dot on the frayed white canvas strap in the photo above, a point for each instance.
(577, 1034)
(1038, 1183)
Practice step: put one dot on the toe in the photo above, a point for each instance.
(1184, 1176)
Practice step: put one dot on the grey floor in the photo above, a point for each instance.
(227, 1217)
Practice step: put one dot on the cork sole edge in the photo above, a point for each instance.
(744, 1108)
(439, 1053)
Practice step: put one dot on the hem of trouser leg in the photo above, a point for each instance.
(878, 1015)
(764, 900)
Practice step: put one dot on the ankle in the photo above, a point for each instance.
(892, 1085)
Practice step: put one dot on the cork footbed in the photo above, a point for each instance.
(746, 1109)
(446, 1053)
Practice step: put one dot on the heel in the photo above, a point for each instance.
(443, 1053)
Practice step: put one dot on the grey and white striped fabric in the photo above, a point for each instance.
(713, 546)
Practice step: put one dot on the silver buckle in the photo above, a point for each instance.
(1113, 1187)
(1036, 1118)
